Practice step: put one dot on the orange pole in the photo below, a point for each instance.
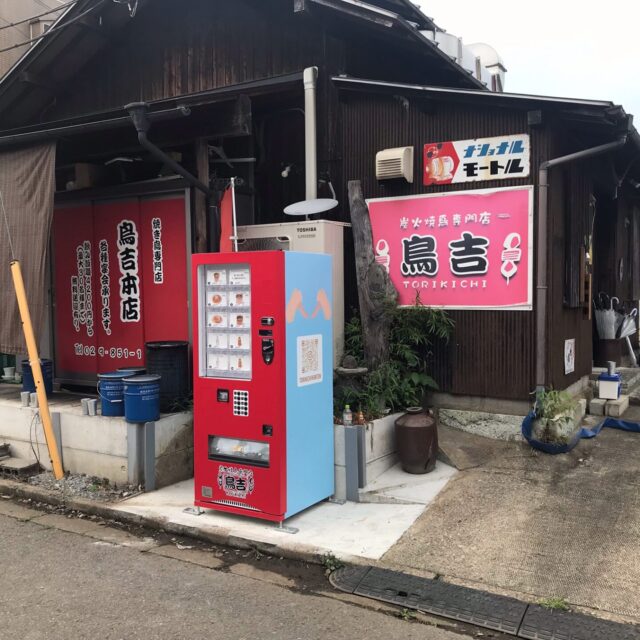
(34, 360)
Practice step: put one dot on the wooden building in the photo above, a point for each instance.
(225, 81)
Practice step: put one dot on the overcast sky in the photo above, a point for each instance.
(568, 48)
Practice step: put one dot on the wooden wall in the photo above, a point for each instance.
(491, 353)
(186, 47)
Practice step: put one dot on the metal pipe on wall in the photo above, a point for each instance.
(139, 115)
(310, 77)
(542, 254)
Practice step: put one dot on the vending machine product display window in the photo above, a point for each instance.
(263, 383)
(226, 352)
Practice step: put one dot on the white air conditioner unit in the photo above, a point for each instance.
(311, 236)
(395, 163)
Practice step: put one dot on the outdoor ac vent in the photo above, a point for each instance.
(395, 163)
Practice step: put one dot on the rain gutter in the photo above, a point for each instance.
(543, 249)
(139, 115)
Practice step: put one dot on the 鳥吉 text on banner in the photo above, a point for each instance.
(458, 250)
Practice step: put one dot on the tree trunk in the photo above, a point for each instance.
(375, 289)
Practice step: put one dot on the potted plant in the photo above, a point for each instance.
(556, 417)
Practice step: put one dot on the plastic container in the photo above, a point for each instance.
(170, 360)
(609, 386)
(111, 392)
(28, 384)
(347, 416)
(417, 441)
(142, 398)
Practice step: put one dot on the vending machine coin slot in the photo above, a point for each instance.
(267, 322)
(268, 350)
(223, 395)
(267, 430)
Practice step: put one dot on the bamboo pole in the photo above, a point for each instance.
(34, 360)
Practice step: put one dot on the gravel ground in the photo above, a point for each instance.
(83, 486)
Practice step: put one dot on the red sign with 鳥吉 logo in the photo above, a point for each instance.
(120, 281)
(459, 250)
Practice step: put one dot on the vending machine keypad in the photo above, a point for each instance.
(241, 403)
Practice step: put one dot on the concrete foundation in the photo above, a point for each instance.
(379, 453)
(98, 446)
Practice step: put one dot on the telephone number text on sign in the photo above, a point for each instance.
(115, 353)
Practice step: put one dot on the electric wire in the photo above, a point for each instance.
(46, 34)
(6, 224)
(36, 418)
(39, 15)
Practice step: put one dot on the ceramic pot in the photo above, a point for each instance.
(417, 440)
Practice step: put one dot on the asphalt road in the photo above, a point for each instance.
(55, 584)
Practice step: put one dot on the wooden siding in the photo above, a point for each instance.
(569, 222)
(186, 47)
(491, 353)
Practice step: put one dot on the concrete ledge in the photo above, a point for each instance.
(219, 536)
(99, 446)
(490, 425)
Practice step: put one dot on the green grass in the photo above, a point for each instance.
(555, 604)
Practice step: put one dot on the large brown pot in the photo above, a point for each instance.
(417, 440)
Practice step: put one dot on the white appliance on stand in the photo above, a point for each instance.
(312, 236)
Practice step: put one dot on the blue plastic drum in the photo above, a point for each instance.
(28, 383)
(111, 392)
(142, 398)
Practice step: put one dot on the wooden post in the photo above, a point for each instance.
(375, 289)
(34, 361)
(201, 204)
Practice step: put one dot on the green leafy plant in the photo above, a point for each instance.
(555, 604)
(331, 563)
(402, 379)
(406, 614)
(551, 404)
(555, 411)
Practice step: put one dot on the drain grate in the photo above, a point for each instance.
(443, 599)
(541, 624)
(348, 578)
(477, 607)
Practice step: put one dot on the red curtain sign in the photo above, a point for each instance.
(473, 160)
(459, 250)
(120, 281)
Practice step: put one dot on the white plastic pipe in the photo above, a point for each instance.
(310, 78)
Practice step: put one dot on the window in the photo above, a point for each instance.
(39, 27)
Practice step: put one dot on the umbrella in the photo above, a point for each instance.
(628, 326)
(607, 319)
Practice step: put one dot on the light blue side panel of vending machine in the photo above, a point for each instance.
(309, 318)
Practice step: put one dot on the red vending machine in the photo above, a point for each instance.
(263, 382)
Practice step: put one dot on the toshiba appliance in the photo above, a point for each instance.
(263, 382)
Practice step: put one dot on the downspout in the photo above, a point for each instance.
(543, 215)
(310, 78)
(139, 116)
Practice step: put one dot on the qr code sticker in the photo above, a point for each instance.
(309, 360)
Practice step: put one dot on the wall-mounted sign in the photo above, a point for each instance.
(120, 281)
(473, 160)
(459, 250)
(569, 356)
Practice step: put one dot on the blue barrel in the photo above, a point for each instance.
(142, 398)
(111, 392)
(132, 371)
(28, 383)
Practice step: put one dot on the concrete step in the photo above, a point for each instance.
(18, 466)
(397, 487)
